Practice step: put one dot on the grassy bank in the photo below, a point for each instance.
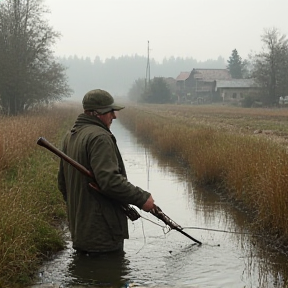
(240, 152)
(31, 205)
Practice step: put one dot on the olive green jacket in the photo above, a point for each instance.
(96, 220)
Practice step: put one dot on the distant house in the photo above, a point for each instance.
(200, 83)
(181, 78)
(181, 90)
(235, 88)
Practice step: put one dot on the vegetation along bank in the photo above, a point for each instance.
(31, 206)
(239, 152)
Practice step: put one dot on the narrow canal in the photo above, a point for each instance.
(157, 258)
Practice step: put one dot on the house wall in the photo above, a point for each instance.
(198, 88)
(233, 93)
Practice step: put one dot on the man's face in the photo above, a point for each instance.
(107, 118)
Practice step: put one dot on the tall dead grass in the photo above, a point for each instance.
(252, 170)
(18, 134)
(30, 203)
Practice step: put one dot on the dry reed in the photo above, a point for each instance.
(30, 203)
(219, 147)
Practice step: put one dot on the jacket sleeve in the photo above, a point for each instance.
(104, 164)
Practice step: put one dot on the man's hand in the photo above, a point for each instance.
(149, 204)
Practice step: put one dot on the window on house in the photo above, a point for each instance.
(234, 95)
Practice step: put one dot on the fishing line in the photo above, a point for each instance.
(144, 237)
(143, 231)
(166, 229)
(217, 230)
(152, 222)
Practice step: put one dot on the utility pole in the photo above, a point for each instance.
(147, 79)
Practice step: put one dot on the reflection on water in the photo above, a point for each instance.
(155, 258)
(102, 270)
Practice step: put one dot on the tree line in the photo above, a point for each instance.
(117, 75)
(268, 68)
(31, 75)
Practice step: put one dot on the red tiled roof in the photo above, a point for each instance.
(183, 76)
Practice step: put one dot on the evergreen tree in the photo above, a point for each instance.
(157, 92)
(235, 65)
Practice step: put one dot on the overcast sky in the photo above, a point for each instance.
(202, 29)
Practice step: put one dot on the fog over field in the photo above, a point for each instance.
(203, 29)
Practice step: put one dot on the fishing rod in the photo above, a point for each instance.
(130, 211)
(197, 228)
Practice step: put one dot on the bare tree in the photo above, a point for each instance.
(29, 72)
(271, 66)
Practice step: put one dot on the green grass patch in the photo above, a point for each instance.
(31, 210)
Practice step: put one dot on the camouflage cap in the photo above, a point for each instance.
(100, 101)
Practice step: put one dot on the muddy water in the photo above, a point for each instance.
(156, 257)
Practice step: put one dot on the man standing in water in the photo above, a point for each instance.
(97, 222)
